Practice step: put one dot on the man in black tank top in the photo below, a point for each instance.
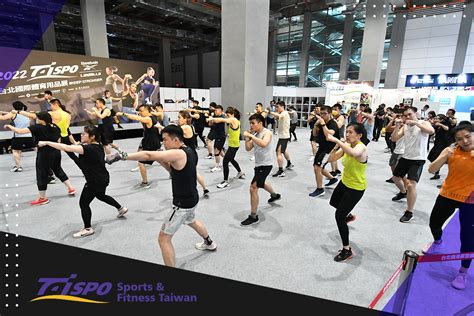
(181, 162)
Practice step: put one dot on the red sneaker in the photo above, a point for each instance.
(350, 218)
(39, 201)
(71, 191)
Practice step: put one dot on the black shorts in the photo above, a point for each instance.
(20, 143)
(219, 143)
(148, 148)
(211, 135)
(319, 157)
(283, 143)
(344, 198)
(412, 168)
(261, 174)
(312, 138)
(394, 159)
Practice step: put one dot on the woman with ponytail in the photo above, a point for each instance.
(47, 158)
(233, 120)
(19, 141)
(351, 188)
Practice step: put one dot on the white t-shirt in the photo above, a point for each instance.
(416, 143)
(284, 125)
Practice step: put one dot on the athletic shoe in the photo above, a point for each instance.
(19, 169)
(387, 150)
(223, 184)
(71, 191)
(460, 281)
(216, 169)
(439, 186)
(433, 247)
(134, 169)
(240, 175)
(399, 196)
(110, 159)
(290, 166)
(389, 180)
(311, 158)
(279, 174)
(39, 201)
(343, 255)
(435, 177)
(208, 157)
(331, 182)
(274, 197)
(204, 246)
(250, 221)
(317, 192)
(122, 211)
(407, 217)
(144, 185)
(333, 173)
(14, 169)
(52, 180)
(83, 233)
(350, 218)
(206, 192)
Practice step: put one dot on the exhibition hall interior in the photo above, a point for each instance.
(320, 147)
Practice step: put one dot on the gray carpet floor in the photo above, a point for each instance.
(291, 249)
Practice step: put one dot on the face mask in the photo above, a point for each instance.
(335, 113)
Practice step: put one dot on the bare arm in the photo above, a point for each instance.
(68, 148)
(263, 142)
(101, 115)
(140, 79)
(169, 156)
(146, 120)
(425, 127)
(18, 130)
(398, 131)
(31, 115)
(335, 155)
(7, 116)
(441, 160)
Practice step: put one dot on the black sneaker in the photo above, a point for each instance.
(274, 197)
(439, 186)
(206, 192)
(333, 173)
(279, 173)
(317, 192)
(407, 217)
(399, 196)
(435, 177)
(343, 255)
(389, 180)
(110, 159)
(250, 221)
(331, 182)
(52, 180)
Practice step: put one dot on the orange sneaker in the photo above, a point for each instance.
(39, 201)
(71, 191)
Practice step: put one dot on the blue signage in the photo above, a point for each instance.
(443, 80)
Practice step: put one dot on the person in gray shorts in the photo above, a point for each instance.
(181, 162)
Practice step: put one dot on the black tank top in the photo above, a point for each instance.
(127, 101)
(108, 121)
(150, 139)
(219, 128)
(192, 141)
(183, 182)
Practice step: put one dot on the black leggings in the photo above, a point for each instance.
(230, 157)
(388, 141)
(47, 161)
(199, 132)
(442, 210)
(377, 129)
(88, 194)
(292, 131)
(344, 200)
(65, 140)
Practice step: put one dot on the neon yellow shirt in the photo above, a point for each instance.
(234, 136)
(353, 175)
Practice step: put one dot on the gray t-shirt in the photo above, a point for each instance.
(263, 156)
(284, 125)
(294, 117)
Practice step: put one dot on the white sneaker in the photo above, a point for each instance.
(204, 246)
(134, 169)
(216, 169)
(223, 184)
(208, 157)
(122, 211)
(83, 233)
(459, 282)
(433, 247)
(14, 169)
(240, 175)
(252, 158)
(311, 158)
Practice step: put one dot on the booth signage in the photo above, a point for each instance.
(440, 80)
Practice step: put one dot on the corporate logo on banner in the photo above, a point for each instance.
(93, 292)
(440, 80)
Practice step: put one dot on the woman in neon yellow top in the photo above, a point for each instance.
(351, 188)
(233, 120)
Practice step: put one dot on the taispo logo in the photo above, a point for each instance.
(66, 289)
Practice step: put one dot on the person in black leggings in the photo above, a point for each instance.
(92, 158)
(46, 158)
(457, 192)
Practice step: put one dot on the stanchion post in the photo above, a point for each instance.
(410, 259)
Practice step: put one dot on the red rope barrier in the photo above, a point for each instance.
(386, 286)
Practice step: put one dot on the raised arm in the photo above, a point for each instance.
(262, 142)
(7, 116)
(335, 154)
(30, 115)
(101, 115)
(146, 120)
(18, 130)
(140, 79)
(68, 148)
(248, 141)
(441, 160)
(398, 131)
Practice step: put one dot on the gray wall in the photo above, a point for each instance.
(177, 71)
(191, 71)
(210, 70)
